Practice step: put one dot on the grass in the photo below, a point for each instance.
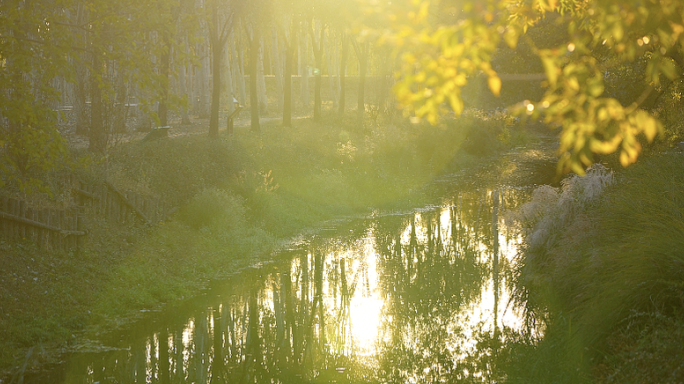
(237, 198)
(607, 277)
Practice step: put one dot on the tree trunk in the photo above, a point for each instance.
(204, 82)
(253, 97)
(229, 79)
(318, 55)
(192, 88)
(303, 69)
(240, 72)
(98, 136)
(385, 83)
(287, 77)
(164, 65)
(216, 45)
(278, 67)
(81, 80)
(121, 96)
(216, 53)
(261, 81)
(197, 82)
(80, 98)
(329, 43)
(182, 79)
(362, 54)
(343, 72)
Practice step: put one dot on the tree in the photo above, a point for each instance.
(256, 14)
(453, 41)
(103, 47)
(362, 50)
(343, 72)
(33, 40)
(290, 12)
(220, 26)
(290, 39)
(254, 46)
(317, 42)
(174, 20)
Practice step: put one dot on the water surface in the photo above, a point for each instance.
(420, 296)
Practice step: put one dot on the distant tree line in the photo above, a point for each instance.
(610, 71)
(100, 60)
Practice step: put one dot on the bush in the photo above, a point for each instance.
(215, 208)
(606, 273)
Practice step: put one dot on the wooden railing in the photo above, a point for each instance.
(65, 228)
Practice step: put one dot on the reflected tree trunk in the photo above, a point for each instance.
(179, 370)
(495, 256)
(291, 328)
(233, 342)
(200, 357)
(253, 353)
(140, 362)
(319, 296)
(218, 361)
(279, 318)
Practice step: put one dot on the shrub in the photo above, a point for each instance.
(215, 208)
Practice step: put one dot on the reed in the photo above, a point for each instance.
(603, 269)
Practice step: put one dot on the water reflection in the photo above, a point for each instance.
(414, 298)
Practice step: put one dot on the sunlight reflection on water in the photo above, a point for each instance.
(397, 298)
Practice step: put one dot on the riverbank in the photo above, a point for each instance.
(238, 198)
(602, 278)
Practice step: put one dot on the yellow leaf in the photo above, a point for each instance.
(550, 69)
(494, 83)
(624, 160)
(424, 10)
(577, 167)
(456, 103)
(668, 68)
(511, 36)
(650, 128)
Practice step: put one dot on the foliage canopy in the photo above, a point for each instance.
(443, 44)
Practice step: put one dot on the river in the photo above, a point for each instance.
(419, 296)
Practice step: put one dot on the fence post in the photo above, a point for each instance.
(22, 214)
(79, 227)
(4, 225)
(12, 233)
(30, 231)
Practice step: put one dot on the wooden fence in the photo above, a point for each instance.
(65, 228)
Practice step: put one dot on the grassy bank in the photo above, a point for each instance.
(237, 198)
(604, 273)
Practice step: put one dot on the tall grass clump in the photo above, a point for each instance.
(552, 209)
(214, 208)
(603, 268)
